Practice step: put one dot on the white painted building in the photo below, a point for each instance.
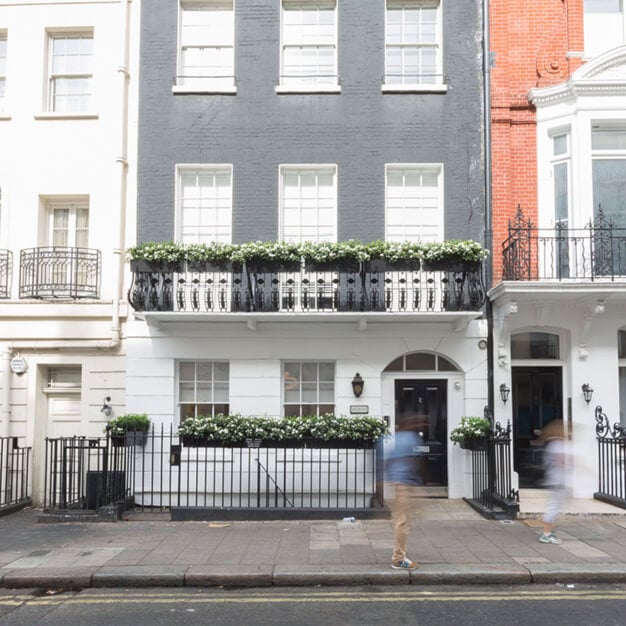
(560, 313)
(67, 182)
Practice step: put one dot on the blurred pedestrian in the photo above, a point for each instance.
(556, 462)
(402, 473)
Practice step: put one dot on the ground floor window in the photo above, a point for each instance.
(308, 388)
(202, 388)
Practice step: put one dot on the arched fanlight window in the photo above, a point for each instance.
(421, 362)
(534, 345)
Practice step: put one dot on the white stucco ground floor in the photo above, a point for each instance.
(434, 365)
(550, 341)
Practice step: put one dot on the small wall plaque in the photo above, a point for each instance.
(359, 409)
(19, 365)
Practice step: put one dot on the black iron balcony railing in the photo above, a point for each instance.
(595, 252)
(60, 273)
(364, 288)
(6, 266)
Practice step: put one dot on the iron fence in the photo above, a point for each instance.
(492, 491)
(595, 252)
(6, 267)
(60, 273)
(163, 473)
(611, 460)
(307, 290)
(14, 473)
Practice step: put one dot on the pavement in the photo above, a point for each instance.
(452, 543)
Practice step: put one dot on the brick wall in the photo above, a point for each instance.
(531, 41)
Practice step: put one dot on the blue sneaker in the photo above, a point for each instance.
(404, 564)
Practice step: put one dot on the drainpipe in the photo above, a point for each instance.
(5, 412)
(488, 203)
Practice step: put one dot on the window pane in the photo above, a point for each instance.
(443, 365)
(420, 361)
(397, 365)
(621, 344)
(535, 346)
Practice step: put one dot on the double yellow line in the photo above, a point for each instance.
(346, 595)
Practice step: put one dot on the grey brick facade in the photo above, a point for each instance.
(360, 130)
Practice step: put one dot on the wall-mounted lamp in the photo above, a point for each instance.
(587, 392)
(106, 407)
(357, 385)
(504, 392)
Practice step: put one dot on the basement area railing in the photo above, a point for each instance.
(14, 474)
(611, 460)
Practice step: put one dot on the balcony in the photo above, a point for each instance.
(594, 254)
(51, 273)
(367, 287)
(6, 267)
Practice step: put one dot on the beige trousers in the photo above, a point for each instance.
(401, 520)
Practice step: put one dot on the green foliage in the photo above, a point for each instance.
(471, 428)
(129, 422)
(236, 428)
(324, 251)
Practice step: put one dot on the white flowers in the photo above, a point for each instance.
(471, 428)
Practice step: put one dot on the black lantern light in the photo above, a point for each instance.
(357, 385)
(587, 392)
(504, 392)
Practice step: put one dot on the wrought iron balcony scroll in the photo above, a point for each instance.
(60, 273)
(6, 267)
(336, 289)
(595, 252)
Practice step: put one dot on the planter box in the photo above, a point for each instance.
(213, 266)
(381, 265)
(450, 265)
(139, 265)
(136, 438)
(269, 267)
(349, 267)
(473, 444)
(307, 442)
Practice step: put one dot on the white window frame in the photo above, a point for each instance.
(52, 77)
(212, 381)
(222, 84)
(61, 383)
(438, 85)
(555, 161)
(297, 381)
(3, 72)
(608, 27)
(73, 206)
(430, 168)
(300, 168)
(308, 84)
(207, 168)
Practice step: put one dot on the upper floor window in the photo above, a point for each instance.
(308, 388)
(560, 175)
(414, 203)
(413, 44)
(203, 388)
(204, 210)
(608, 144)
(308, 60)
(308, 203)
(68, 224)
(206, 59)
(70, 78)
(604, 26)
(3, 69)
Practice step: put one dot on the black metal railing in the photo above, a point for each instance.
(595, 252)
(6, 267)
(306, 290)
(492, 491)
(14, 473)
(164, 473)
(60, 273)
(611, 460)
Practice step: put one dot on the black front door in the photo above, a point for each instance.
(537, 400)
(426, 401)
